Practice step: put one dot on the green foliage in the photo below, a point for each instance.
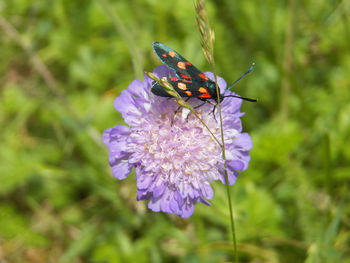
(58, 199)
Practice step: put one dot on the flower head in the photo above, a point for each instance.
(174, 156)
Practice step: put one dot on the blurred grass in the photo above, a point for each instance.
(58, 200)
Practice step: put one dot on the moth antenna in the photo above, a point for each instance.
(241, 77)
(243, 98)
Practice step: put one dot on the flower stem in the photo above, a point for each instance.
(208, 39)
(233, 229)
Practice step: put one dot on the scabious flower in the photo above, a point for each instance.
(174, 156)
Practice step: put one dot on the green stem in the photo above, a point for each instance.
(233, 229)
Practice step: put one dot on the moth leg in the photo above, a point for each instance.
(213, 112)
(200, 105)
(212, 103)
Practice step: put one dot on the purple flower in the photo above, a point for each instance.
(174, 156)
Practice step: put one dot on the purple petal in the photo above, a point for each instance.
(115, 132)
(116, 140)
(143, 194)
(123, 102)
(178, 198)
(137, 90)
(121, 170)
(165, 202)
(207, 190)
(232, 176)
(231, 105)
(158, 190)
(161, 71)
(174, 207)
(203, 201)
(243, 141)
(144, 181)
(236, 165)
(187, 209)
(154, 204)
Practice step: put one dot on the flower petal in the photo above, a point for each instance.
(243, 141)
(116, 132)
(161, 71)
(121, 170)
(236, 165)
(158, 190)
(207, 190)
(187, 209)
(232, 176)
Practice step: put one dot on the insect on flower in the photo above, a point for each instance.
(176, 159)
(189, 81)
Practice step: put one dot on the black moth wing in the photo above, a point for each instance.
(183, 68)
(196, 89)
(158, 90)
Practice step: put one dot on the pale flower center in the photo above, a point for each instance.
(178, 148)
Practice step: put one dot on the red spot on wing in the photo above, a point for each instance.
(201, 75)
(188, 93)
(186, 81)
(172, 54)
(181, 65)
(188, 63)
(184, 76)
(164, 55)
(173, 79)
(204, 96)
(181, 86)
(203, 90)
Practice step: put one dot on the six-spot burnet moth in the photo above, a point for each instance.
(189, 81)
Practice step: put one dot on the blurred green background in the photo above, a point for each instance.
(63, 62)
